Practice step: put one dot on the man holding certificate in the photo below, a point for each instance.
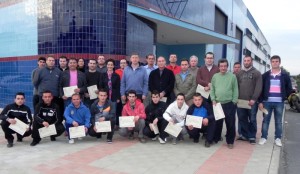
(155, 124)
(9, 116)
(77, 114)
(224, 90)
(250, 86)
(175, 115)
(200, 108)
(102, 110)
(135, 108)
(46, 113)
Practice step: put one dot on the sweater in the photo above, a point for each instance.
(134, 80)
(250, 84)
(178, 115)
(107, 111)
(154, 111)
(12, 111)
(139, 110)
(224, 88)
(81, 115)
(204, 76)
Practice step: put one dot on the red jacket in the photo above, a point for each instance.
(139, 110)
(176, 69)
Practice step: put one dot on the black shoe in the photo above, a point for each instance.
(52, 138)
(253, 142)
(10, 144)
(196, 140)
(99, 136)
(207, 144)
(34, 143)
(241, 138)
(109, 141)
(19, 139)
(131, 136)
(142, 140)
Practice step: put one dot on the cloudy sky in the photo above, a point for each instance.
(280, 22)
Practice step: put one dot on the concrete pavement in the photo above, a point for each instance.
(125, 156)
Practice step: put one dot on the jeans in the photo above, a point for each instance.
(277, 107)
(247, 120)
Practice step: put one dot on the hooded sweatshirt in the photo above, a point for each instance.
(81, 115)
(137, 110)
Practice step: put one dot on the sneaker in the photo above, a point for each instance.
(142, 140)
(242, 138)
(253, 142)
(174, 141)
(10, 144)
(19, 139)
(278, 142)
(207, 144)
(230, 146)
(52, 138)
(262, 141)
(131, 136)
(161, 141)
(154, 139)
(34, 143)
(109, 141)
(71, 141)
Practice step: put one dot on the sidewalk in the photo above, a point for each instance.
(124, 156)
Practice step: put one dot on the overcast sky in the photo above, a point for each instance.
(279, 20)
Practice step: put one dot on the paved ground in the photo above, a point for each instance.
(124, 156)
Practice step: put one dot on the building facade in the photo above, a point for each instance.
(115, 28)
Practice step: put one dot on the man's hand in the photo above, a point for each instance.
(123, 97)
(86, 129)
(77, 90)
(171, 121)
(11, 121)
(205, 122)
(86, 95)
(136, 118)
(162, 94)
(214, 103)
(64, 97)
(155, 121)
(260, 106)
(206, 88)
(95, 129)
(75, 124)
(101, 119)
(130, 128)
(190, 127)
(46, 124)
(251, 102)
(143, 97)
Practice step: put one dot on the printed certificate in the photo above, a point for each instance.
(47, 131)
(91, 91)
(77, 132)
(218, 111)
(194, 120)
(200, 89)
(126, 121)
(69, 91)
(103, 126)
(243, 104)
(20, 127)
(173, 129)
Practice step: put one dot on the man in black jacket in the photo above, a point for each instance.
(200, 108)
(154, 115)
(46, 113)
(16, 110)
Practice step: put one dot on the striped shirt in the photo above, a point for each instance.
(275, 88)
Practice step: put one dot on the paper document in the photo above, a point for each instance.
(77, 132)
(173, 129)
(194, 120)
(200, 89)
(69, 91)
(20, 127)
(47, 131)
(163, 99)
(91, 91)
(265, 111)
(155, 128)
(126, 121)
(218, 111)
(243, 104)
(103, 126)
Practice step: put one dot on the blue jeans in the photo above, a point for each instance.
(247, 120)
(277, 107)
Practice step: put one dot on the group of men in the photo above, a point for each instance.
(142, 89)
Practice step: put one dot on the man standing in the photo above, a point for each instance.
(150, 58)
(72, 77)
(250, 84)
(63, 63)
(134, 78)
(46, 113)
(276, 88)
(16, 110)
(77, 114)
(185, 82)
(135, 108)
(123, 64)
(224, 90)
(162, 80)
(41, 64)
(193, 65)
(173, 66)
(101, 64)
(102, 110)
(236, 68)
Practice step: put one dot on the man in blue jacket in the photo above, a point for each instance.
(77, 114)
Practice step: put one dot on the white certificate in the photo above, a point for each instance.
(200, 89)
(77, 132)
(103, 126)
(194, 120)
(243, 104)
(69, 91)
(20, 127)
(265, 111)
(155, 128)
(163, 99)
(173, 129)
(91, 91)
(126, 121)
(218, 111)
(47, 131)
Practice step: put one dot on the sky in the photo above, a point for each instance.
(279, 21)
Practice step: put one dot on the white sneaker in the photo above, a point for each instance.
(262, 141)
(71, 141)
(80, 138)
(278, 142)
(161, 141)
(154, 139)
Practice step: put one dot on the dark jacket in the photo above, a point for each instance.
(47, 113)
(22, 113)
(115, 80)
(206, 106)
(165, 82)
(285, 82)
(108, 112)
(154, 111)
(65, 82)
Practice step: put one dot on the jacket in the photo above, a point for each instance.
(186, 86)
(108, 111)
(81, 115)
(178, 115)
(65, 82)
(115, 80)
(204, 105)
(47, 113)
(165, 82)
(139, 110)
(22, 113)
(204, 76)
(154, 111)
